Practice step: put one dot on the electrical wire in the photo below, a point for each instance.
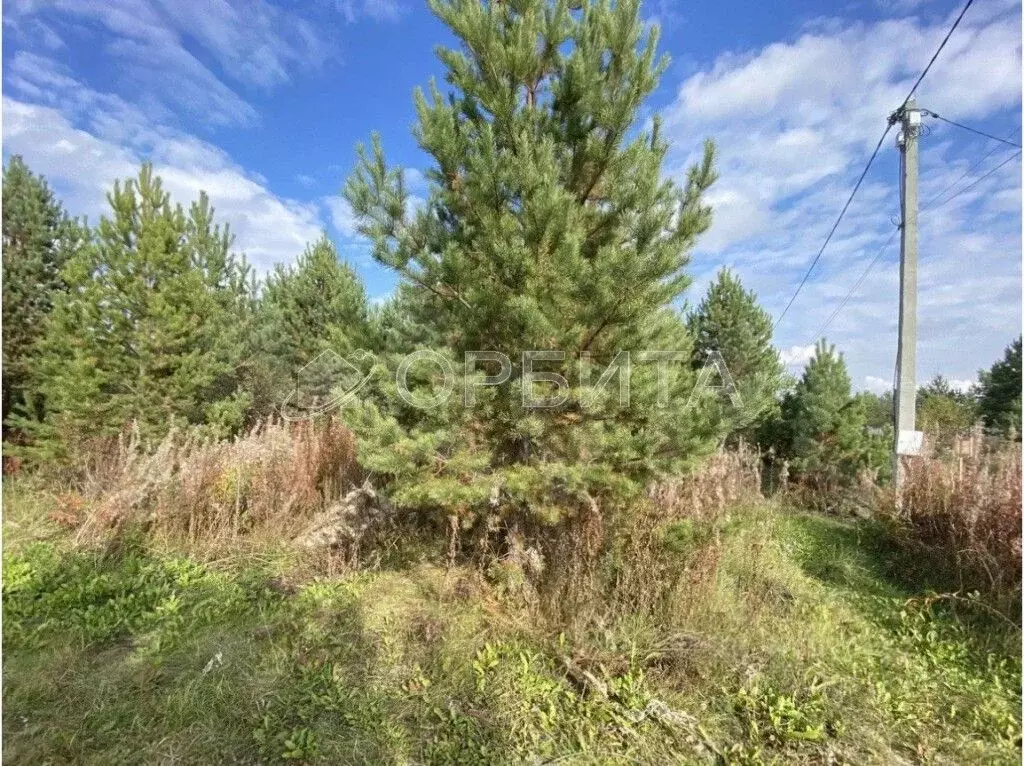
(856, 286)
(972, 130)
(871, 159)
(871, 263)
(925, 208)
(977, 181)
(835, 226)
(939, 50)
(964, 175)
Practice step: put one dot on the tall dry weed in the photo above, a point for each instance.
(964, 514)
(639, 559)
(268, 481)
(723, 480)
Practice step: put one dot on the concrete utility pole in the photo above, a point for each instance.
(906, 439)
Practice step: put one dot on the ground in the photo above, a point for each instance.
(806, 646)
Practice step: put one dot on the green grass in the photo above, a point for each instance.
(803, 649)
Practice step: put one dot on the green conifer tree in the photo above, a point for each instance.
(149, 329)
(943, 413)
(548, 227)
(399, 324)
(829, 443)
(999, 392)
(729, 321)
(878, 409)
(38, 238)
(317, 304)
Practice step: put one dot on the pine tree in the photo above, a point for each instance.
(878, 409)
(999, 392)
(38, 238)
(829, 444)
(150, 327)
(318, 304)
(548, 227)
(942, 412)
(729, 321)
(399, 325)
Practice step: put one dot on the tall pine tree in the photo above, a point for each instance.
(549, 227)
(150, 328)
(38, 238)
(729, 321)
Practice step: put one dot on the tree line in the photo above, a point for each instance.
(151, 316)
(549, 225)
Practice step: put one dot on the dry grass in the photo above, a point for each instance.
(265, 483)
(644, 558)
(964, 515)
(722, 481)
(674, 541)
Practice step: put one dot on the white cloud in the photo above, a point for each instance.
(797, 356)
(792, 114)
(877, 385)
(378, 10)
(342, 217)
(963, 386)
(170, 60)
(82, 166)
(190, 58)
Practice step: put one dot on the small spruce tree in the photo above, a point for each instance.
(827, 427)
(316, 305)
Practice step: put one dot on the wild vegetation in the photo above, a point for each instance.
(214, 553)
(784, 637)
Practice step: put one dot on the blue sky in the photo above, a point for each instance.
(261, 104)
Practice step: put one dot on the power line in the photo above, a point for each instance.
(856, 286)
(938, 50)
(926, 207)
(978, 180)
(867, 269)
(835, 226)
(971, 130)
(871, 159)
(966, 173)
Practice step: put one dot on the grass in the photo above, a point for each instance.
(806, 647)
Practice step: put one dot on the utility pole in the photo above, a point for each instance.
(906, 439)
